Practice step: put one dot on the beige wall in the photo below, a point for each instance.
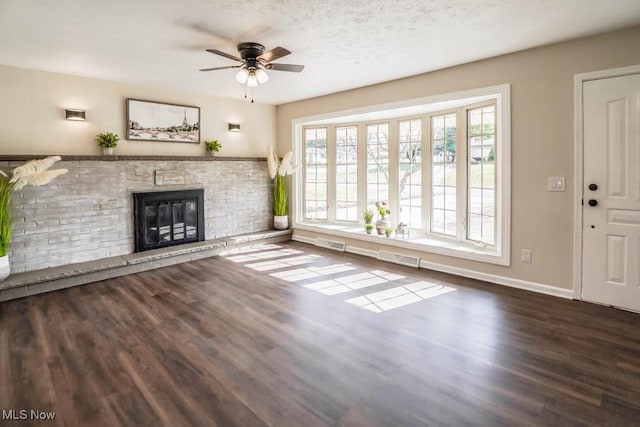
(32, 120)
(542, 139)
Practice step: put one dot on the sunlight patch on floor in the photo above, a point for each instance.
(311, 272)
(400, 296)
(266, 258)
(256, 256)
(249, 249)
(284, 262)
(355, 281)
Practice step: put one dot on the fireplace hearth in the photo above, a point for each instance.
(168, 218)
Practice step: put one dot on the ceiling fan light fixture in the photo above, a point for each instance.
(252, 80)
(262, 76)
(242, 75)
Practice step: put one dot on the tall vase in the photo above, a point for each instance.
(4, 267)
(382, 224)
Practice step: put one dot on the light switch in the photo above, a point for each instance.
(556, 183)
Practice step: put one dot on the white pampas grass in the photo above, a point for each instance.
(283, 168)
(34, 166)
(35, 172)
(39, 178)
(272, 163)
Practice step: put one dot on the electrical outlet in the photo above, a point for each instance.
(526, 256)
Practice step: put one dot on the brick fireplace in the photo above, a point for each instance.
(88, 214)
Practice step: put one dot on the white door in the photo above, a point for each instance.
(611, 193)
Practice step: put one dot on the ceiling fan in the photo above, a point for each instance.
(254, 61)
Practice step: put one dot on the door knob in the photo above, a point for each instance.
(593, 187)
(593, 202)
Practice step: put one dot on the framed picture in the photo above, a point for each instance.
(156, 121)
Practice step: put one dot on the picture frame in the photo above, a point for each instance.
(162, 122)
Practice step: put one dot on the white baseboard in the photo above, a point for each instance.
(500, 280)
(463, 272)
(303, 239)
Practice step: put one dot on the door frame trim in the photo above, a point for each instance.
(578, 169)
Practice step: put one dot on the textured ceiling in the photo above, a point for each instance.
(343, 44)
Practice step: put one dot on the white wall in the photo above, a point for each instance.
(32, 105)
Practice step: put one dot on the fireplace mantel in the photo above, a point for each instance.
(26, 157)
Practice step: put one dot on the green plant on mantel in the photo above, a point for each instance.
(107, 140)
(214, 145)
(33, 173)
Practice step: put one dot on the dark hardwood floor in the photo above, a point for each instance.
(280, 337)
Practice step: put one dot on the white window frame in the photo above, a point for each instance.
(500, 254)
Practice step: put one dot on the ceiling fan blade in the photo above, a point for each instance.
(273, 54)
(285, 67)
(225, 54)
(220, 68)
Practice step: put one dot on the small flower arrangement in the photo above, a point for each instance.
(368, 228)
(383, 209)
(388, 231)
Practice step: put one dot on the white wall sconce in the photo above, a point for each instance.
(234, 127)
(75, 115)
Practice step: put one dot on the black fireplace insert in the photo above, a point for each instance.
(168, 218)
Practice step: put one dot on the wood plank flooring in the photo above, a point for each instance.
(279, 337)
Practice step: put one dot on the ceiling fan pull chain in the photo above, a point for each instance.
(252, 95)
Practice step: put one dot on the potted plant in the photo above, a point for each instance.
(212, 147)
(31, 173)
(388, 231)
(108, 141)
(278, 170)
(368, 228)
(367, 216)
(383, 222)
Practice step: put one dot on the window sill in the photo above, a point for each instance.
(416, 241)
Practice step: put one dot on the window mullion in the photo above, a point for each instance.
(461, 180)
(331, 173)
(426, 173)
(394, 184)
(362, 168)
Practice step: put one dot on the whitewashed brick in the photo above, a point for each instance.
(88, 213)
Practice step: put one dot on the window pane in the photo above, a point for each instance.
(450, 198)
(377, 163)
(450, 223)
(347, 173)
(409, 169)
(315, 156)
(437, 221)
(488, 234)
(474, 229)
(438, 198)
(481, 172)
(443, 170)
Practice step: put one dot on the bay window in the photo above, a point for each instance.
(440, 171)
